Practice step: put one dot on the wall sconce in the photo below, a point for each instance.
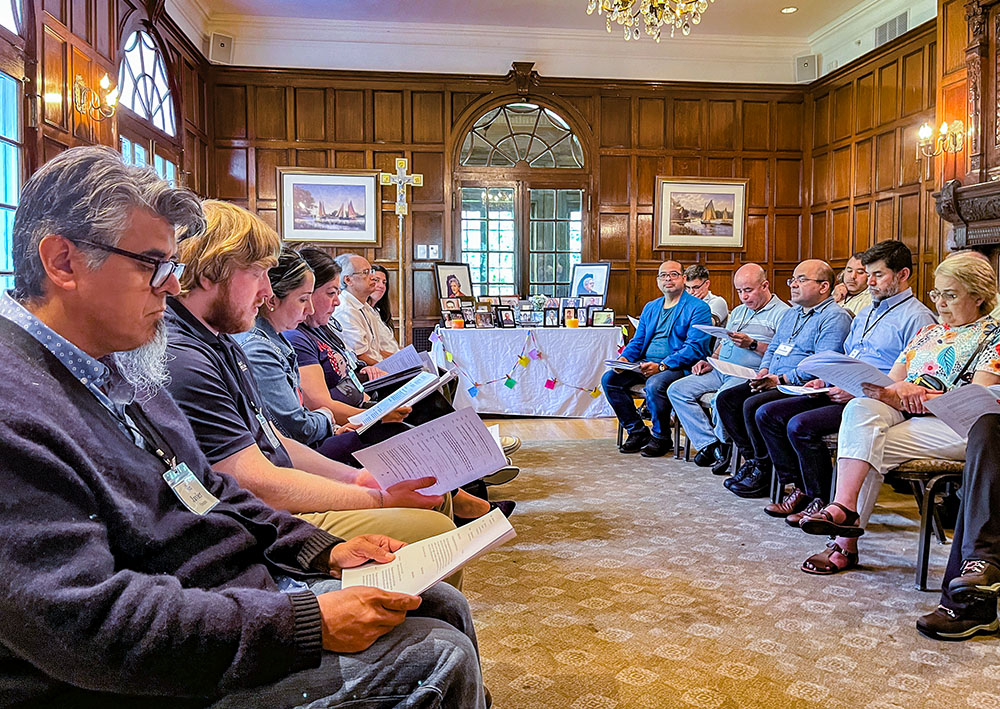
(950, 139)
(93, 104)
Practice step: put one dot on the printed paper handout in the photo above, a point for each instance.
(960, 408)
(844, 372)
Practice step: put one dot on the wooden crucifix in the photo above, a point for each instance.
(401, 180)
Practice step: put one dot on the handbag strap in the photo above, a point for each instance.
(988, 332)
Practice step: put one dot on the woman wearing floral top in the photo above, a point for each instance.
(890, 425)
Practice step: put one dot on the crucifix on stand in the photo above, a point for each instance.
(401, 180)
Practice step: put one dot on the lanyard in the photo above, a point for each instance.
(753, 313)
(869, 328)
(151, 436)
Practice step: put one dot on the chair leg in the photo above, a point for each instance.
(687, 449)
(776, 488)
(621, 434)
(923, 545)
(833, 479)
(677, 439)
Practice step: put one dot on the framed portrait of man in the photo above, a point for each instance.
(590, 280)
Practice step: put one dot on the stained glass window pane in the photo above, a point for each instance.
(143, 85)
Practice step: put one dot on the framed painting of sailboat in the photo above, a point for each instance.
(705, 213)
(339, 207)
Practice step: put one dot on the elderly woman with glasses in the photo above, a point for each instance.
(891, 425)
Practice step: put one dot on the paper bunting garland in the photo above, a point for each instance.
(473, 392)
(510, 383)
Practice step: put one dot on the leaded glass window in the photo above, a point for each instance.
(10, 172)
(10, 15)
(556, 239)
(520, 132)
(143, 85)
(489, 242)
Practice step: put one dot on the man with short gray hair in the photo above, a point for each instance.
(358, 320)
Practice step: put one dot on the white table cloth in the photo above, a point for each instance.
(572, 356)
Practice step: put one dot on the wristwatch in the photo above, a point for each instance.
(662, 367)
(753, 344)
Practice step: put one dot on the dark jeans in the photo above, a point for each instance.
(793, 431)
(737, 407)
(977, 531)
(617, 387)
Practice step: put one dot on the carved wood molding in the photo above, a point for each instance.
(524, 77)
(973, 211)
(975, 16)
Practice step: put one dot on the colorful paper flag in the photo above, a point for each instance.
(534, 354)
(473, 392)
(523, 361)
(595, 392)
(434, 337)
(510, 383)
(449, 356)
(550, 383)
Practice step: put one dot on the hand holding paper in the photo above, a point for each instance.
(733, 370)
(844, 372)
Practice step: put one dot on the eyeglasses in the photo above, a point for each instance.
(162, 269)
(695, 286)
(947, 296)
(668, 274)
(802, 279)
(366, 272)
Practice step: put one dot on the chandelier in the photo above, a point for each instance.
(677, 14)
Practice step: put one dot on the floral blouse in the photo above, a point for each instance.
(942, 350)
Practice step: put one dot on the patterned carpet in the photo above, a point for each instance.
(644, 583)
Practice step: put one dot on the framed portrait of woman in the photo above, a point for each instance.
(454, 280)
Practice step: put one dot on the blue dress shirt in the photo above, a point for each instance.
(808, 331)
(881, 330)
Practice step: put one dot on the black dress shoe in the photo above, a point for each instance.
(756, 484)
(656, 447)
(979, 579)
(725, 458)
(635, 441)
(708, 456)
(740, 475)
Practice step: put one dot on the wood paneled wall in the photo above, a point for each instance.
(867, 185)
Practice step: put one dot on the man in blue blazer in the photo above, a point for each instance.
(666, 344)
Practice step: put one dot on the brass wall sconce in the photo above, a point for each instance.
(98, 106)
(950, 139)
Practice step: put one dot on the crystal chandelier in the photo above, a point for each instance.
(677, 14)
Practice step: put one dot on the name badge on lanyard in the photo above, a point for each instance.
(785, 348)
(853, 354)
(354, 378)
(189, 489)
(268, 431)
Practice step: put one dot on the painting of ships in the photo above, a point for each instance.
(701, 213)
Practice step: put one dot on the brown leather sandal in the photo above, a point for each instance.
(822, 565)
(822, 523)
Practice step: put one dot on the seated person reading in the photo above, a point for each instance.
(379, 301)
(359, 320)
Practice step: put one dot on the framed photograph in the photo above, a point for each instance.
(483, 305)
(450, 304)
(484, 319)
(505, 317)
(537, 316)
(469, 316)
(568, 313)
(604, 318)
(448, 317)
(590, 280)
(552, 303)
(702, 212)
(551, 317)
(589, 301)
(334, 206)
(524, 316)
(591, 310)
(454, 280)
(526, 305)
(511, 301)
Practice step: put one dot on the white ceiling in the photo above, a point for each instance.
(738, 40)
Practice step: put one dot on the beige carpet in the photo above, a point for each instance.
(644, 583)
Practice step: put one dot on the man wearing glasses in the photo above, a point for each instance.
(666, 344)
(698, 283)
(359, 320)
(814, 324)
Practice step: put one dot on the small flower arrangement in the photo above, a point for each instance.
(538, 301)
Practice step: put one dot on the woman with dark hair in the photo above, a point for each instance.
(454, 287)
(379, 299)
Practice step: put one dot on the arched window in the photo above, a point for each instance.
(522, 187)
(10, 15)
(521, 131)
(143, 85)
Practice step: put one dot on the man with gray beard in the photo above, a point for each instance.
(130, 572)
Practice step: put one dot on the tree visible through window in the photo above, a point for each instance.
(143, 85)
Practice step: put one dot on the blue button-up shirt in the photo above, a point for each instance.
(808, 331)
(107, 385)
(745, 319)
(881, 330)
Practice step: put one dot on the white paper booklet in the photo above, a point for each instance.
(410, 393)
(456, 449)
(844, 372)
(396, 367)
(796, 390)
(733, 370)
(634, 321)
(961, 408)
(760, 334)
(420, 565)
(624, 366)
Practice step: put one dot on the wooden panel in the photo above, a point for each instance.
(954, 35)
(913, 82)
(885, 161)
(583, 104)
(428, 117)
(909, 221)
(54, 79)
(862, 227)
(883, 220)
(821, 122)
(909, 168)
(231, 122)
(756, 125)
(888, 93)
(459, 101)
(431, 166)
(267, 161)
(842, 107)
(758, 172)
(231, 173)
(388, 117)
(645, 289)
(51, 148)
(349, 116)
(310, 114)
(428, 228)
(352, 160)
(821, 178)
(644, 237)
(841, 173)
(56, 8)
(788, 178)
(390, 235)
(386, 162)
(104, 28)
(687, 167)
(647, 170)
(613, 237)
(819, 235)
(865, 102)
(840, 242)
(424, 298)
(789, 123)
(687, 124)
(721, 125)
(615, 181)
(270, 217)
(786, 239)
(312, 158)
(756, 241)
(270, 112)
(616, 122)
(651, 122)
(618, 287)
(863, 167)
(721, 167)
(82, 65)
